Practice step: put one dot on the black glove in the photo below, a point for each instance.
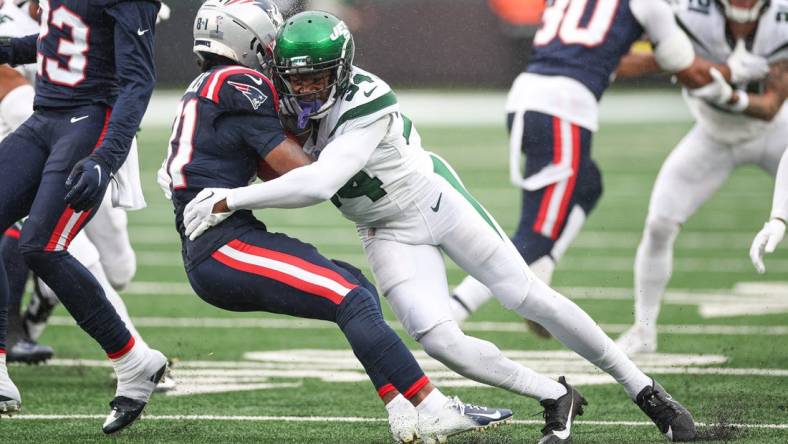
(87, 183)
(5, 50)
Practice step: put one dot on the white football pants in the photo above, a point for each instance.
(108, 232)
(405, 256)
(690, 176)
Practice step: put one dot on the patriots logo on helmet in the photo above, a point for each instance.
(254, 95)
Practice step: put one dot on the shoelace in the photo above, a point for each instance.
(662, 410)
(552, 418)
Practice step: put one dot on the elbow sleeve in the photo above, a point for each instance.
(675, 53)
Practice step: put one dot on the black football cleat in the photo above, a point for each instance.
(671, 418)
(124, 412)
(559, 415)
(29, 352)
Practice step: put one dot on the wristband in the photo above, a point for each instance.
(742, 103)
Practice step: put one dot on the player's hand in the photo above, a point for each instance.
(765, 242)
(5, 49)
(718, 92)
(746, 66)
(164, 180)
(87, 183)
(164, 13)
(198, 215)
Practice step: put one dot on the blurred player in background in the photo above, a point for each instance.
(737, 123)
(229, 119)
(552, 115)
(773, 230)
(95, 76)
(409, 207)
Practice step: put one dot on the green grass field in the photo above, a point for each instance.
(729, 369)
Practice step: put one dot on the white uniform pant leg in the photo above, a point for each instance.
(692, 173)
(476, 246)
(108, 230)
(413, 280)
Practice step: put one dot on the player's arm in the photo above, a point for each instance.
(339, 161)
(136, 71)
(673, 50)
(18, 50)
(765, 106)
(773, 230)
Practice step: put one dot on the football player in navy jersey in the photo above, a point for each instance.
(552, 113)
(95, 78)
(228, 119)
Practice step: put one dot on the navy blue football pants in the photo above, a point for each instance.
(38, 158)
(271, 272)
(549, 140)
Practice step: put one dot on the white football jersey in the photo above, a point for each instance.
(390, 180)
(706, 27)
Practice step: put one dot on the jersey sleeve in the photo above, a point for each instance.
(672, 48)
(366, 101)
(250, 100)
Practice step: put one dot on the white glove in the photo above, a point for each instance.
(198, 215)
(164, 180)
(718, 92)
(765, 242)
(164, 13)
(746, 66)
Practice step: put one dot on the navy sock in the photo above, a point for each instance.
(82, 296)
(16, 275)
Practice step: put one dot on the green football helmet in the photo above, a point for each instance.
(312, 44)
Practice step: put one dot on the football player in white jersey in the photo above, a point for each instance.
(410, 207)
(773, 230)
(103, 248)
(735, 124)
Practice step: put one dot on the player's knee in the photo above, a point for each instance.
(443, 341)
(38, 258)
(542, 303)
(660, 231)
(589, 188)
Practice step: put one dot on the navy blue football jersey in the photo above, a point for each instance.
(584, 40)
(227, 120)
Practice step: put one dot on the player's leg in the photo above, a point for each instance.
(692, 173)
(108, 231)
(413, 279)
(478, 247)
(44, 242)
(18, 186)
(21, 347)
(562, 186)
(278, 274)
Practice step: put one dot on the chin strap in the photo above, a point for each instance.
(307, 109)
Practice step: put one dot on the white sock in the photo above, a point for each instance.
(484, 362)
(128, 368)
(543, 269)
(399, 406)
(653, 267)
(575, 329)
(433, 403)
(473, 294)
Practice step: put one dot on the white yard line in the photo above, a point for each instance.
(305, 324)
(355, 419)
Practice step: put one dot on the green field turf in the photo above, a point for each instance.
(746, 384)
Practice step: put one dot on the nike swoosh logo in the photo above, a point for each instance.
(256, 80)
(435, 209)
(77, 119)
(141, 32)
(564, 434)
(98, 168)
(369, 93)
(206, 198)
(497, 415)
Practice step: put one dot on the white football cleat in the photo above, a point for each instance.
(457, 417)
(637, 340)
(404, 425)
(135, 392)
(10, 399)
